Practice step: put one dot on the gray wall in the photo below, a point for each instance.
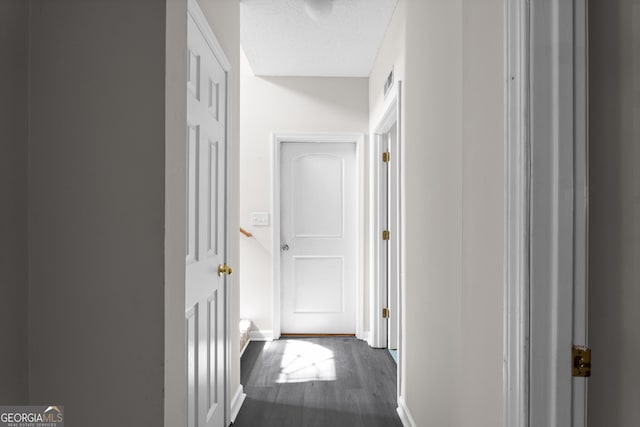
(13, 201)
(96, 209)
(614, 261)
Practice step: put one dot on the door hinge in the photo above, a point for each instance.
(385, 157)
(581, 361)
(385, 234)
(386, 313)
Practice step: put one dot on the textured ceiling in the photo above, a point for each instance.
(280, 38)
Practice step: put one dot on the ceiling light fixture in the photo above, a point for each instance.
(318, 9)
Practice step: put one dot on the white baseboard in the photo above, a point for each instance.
(264, 335)
(364, 336)
(236, 402)
(370, 339)
(245, 347)
(405, 414)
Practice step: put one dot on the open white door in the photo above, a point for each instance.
(546, 287)
(206, 306)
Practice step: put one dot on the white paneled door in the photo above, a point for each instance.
(318, 237)
(206, 225)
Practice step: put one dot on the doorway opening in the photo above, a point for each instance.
(318, 231)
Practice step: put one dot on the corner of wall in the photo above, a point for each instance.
(175, 410)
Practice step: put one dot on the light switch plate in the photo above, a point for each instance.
(260, 219)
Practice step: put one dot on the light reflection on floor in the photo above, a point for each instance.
(304, 361)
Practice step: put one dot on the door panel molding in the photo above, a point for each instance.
(327, 138)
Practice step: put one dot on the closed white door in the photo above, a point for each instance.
(318, 236)
(206, 225)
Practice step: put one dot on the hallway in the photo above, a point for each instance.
(317, 382)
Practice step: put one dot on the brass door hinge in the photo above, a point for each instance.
(581, 361)
(385, 313)
(385, 234)
(385, 157)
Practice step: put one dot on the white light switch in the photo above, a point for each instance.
(260, 219)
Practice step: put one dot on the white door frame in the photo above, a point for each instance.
(203, 25)
(545, 136)
(391, 115)
(329, 138)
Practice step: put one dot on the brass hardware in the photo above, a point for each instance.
(385, 157)
(224, 269)
(386, 313)
(385, 234)
(581, 361)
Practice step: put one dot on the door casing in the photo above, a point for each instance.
(546, 188)
(391, 115)
(348, 138)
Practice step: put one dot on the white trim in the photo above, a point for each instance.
(546, 210)
(244, 347)
(405, 414)
(380, 270)
(257, 336)
(236, 402)
(331, 138)
(581, 202)
(391, 115)
(516, 247)
(558, 129)
(193, 9)
(202, 23)
(263, 335)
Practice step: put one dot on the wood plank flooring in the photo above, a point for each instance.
(318, 382)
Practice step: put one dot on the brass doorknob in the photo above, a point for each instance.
(224, 269)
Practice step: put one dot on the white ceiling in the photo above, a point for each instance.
(281, 39)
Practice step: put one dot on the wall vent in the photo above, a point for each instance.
(388, 84)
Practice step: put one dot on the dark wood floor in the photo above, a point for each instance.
(283, 391)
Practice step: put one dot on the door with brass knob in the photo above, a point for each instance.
(206, 224)
(224, 269)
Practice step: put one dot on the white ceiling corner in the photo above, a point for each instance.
(281, 39)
